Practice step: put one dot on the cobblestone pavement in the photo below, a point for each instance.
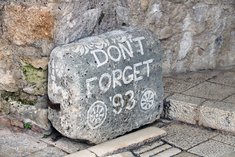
(204, 100)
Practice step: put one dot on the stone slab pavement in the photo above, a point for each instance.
(205, 98)
(181, 140)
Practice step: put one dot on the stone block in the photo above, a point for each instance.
(185, 136)
(25, 25)
(183, 108)
(128, 141)
(106, 85)
(218, 115)
(210, 91)
(212, 148)
(76, 19)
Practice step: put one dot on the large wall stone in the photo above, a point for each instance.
(106, 85)
(23, 25)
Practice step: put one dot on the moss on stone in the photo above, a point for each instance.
(27, 102)
(34, 75)
(16, 96)
(10, 96)
(36, 78)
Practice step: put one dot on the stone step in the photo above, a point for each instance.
(218, 115)
(122, 143)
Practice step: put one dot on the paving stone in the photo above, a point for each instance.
(104, 82)
(211, 91)
(124, 154)
(196, 77)
(225, 77)
(212, 149)
(186, 154)
(168, 153)
(230, 99)
(183, 108)
(18, 144)
(186, 136)
(147, 147)
(48, 152)
(226, 138)
(156, 150)
(65, 144)
(173, 85)
(128, 141)
(82, 153)
(218, 115)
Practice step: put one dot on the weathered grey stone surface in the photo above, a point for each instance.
(195, 35)
(186, 136)
(226, 78)
(148, 147)
(212, 148)
(33, 115)
(66, 144)
(183, 108)
(106, 85)
(124, 154)
(178, 86)
(18, 144)
(230, 99)
(157, 150)
(218, 115)
(185, 154)
(128, 141)
(48, 152)
(211, 91)
(226, 138)
(85, 152)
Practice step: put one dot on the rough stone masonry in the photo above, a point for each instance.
(106, 85)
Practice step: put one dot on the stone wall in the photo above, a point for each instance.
(195, 35)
